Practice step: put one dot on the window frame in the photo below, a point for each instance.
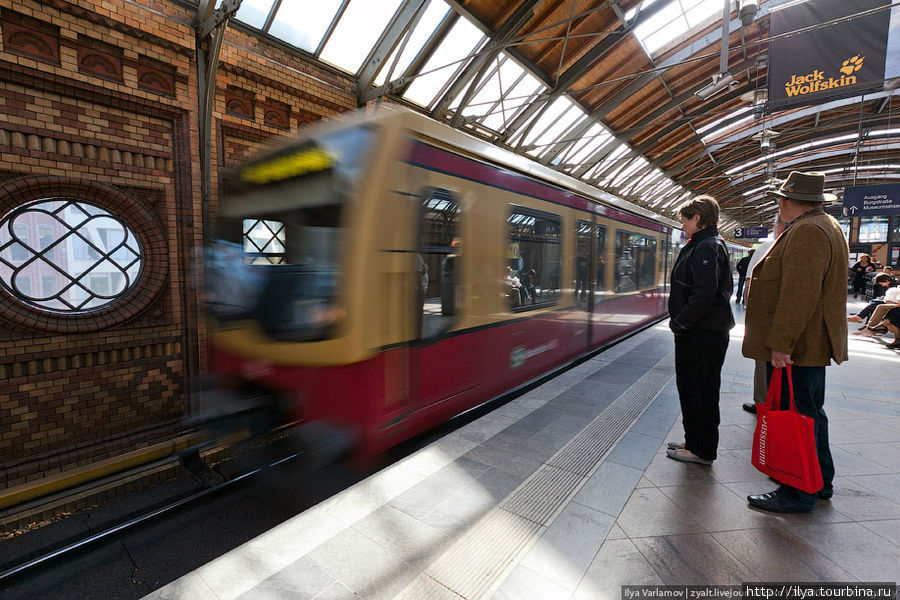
(423, 249)
(145, 225)
(547, 216)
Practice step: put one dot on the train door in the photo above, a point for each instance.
(604, 269)
(585, 267)
(442, 366)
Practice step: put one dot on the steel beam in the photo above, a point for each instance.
(582, 66)
(475, 70)
(406, 18)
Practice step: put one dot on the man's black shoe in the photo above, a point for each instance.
(750, 407)
(779, 502)
(826, 493)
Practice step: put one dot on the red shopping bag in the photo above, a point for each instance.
(784, 444)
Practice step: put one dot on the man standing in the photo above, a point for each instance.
(742, 275)
(760, 383)
(700, 317)
(796, 316)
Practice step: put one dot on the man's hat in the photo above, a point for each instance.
(806, 187)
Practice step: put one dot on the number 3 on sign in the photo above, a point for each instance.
(738, 232)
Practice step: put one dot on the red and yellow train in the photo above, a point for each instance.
(384, 273)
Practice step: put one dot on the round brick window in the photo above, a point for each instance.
(68, 255)
(76, 256)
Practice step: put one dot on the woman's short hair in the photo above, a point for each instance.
(705, 206)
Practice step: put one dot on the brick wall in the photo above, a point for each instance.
(98, 103)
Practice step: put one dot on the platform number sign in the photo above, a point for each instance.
(752, 233)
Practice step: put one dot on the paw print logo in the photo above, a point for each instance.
(852, 64)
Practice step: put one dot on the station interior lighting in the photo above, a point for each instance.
(720, 82)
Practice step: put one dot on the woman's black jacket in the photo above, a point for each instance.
(701, 285)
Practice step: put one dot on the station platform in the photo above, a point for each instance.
(566, 492)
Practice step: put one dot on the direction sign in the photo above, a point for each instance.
(751, 233)
(871, 200)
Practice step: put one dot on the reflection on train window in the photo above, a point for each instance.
(438, 262)
(600, 283)
(264, 241)
(635, 261)
(533, 258)
(582, 283)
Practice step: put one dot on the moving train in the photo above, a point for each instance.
(380, 274)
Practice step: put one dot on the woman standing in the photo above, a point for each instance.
(700, 316)
(863, 265)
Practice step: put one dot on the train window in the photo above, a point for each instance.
(582, 270)
(438, 262)
(600, 283)
(635, 261)
(533, 258)
(264, 241)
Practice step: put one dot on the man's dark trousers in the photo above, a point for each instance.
(699, 356)
(740, 287)
(809, 395)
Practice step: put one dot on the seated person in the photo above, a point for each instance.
(893, 325)
(884, 295)
(877, 325)
(528, 278)
(514, 290)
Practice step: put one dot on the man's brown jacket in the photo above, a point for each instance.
(798, 295)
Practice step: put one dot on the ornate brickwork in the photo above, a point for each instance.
(155, 76)
(240, 103)
(99, 59)
(277, 114)
(98, 99)
(30, 37)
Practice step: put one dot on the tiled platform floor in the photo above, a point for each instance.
(445, 522)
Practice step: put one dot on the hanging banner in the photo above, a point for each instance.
(892, 62)
(835, 61)
(872, 200)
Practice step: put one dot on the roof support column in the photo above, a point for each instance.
(209, 25)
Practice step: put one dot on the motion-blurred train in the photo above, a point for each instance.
(380, 274)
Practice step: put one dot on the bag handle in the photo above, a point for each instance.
(791, 388)
(773, 396)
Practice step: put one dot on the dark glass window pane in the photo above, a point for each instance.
(533, 257)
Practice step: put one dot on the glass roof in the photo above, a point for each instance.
(343, 33)
(451, 56)
(673, 21)
(254, 12)
(410, 46)
(304, 24)
(357, 32)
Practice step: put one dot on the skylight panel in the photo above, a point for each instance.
(614, 165)
(303, 24)
(719, 121)
(554, 112)
(499, 81)
(254, 12)
(557, 127)
(595, 137)
(357, 31)
(608, 161)
(661, 28)
(431, 18)
(451, 55)
(639, 162)
(513, 102)
(698, 12)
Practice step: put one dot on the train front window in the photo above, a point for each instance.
(277, 254)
